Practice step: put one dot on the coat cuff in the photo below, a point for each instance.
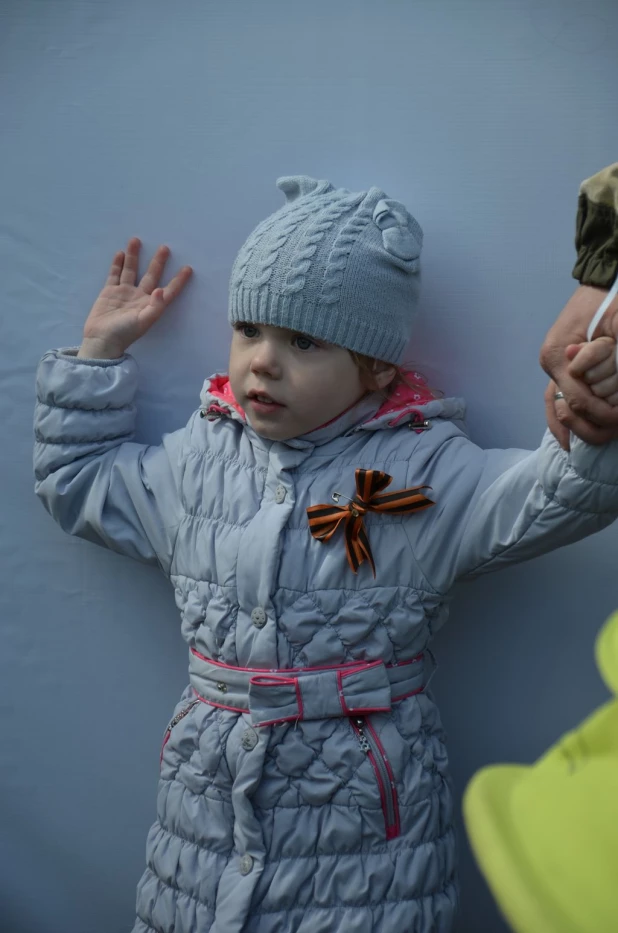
(596, 229)
(66, 381)
(84, 401)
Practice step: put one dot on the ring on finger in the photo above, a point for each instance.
(558, 396)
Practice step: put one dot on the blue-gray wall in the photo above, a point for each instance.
(171, 121)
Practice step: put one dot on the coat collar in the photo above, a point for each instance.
(413, 406)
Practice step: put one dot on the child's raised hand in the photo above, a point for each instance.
(595, 363)
(124, 311)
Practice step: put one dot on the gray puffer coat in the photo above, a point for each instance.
(318, 800)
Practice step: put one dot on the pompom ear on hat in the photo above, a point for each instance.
(297, 186)
(401, 234)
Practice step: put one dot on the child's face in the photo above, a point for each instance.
(312, 381)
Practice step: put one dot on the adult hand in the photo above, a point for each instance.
(590, 418)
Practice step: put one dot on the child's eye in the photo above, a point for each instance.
(247, 330)
(304, 343)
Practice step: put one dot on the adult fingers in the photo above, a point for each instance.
(589, 432)
(582, 403)
(560, 432)
(572, 424)
(562, 421)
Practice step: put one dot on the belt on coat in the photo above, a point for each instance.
(356, 688)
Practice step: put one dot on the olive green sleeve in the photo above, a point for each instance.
(596, 229)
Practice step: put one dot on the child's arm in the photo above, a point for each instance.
(513, 505)
(90, 476)
(569, 496)
(508, 506)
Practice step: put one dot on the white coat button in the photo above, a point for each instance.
(249, 739)
(246, 864)
(258, 617)
(280, 493)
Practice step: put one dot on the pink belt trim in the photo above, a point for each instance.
(356, 688)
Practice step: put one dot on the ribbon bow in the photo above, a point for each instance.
(325, 519)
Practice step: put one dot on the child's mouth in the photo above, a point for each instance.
(263, 404)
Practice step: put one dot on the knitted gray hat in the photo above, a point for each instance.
(336, 265)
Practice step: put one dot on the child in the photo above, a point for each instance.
(313, 522)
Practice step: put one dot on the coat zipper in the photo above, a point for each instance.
(373, 748)
(173, 722)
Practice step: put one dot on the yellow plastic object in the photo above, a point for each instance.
(606, 653)
(546, 836)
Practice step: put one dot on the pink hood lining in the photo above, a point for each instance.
(220, 387)
(405, 400)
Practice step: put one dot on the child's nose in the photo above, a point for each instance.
(265, 358)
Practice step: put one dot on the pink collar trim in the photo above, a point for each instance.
(220, 387)
(405, 399)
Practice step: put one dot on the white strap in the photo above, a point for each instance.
(603, 308)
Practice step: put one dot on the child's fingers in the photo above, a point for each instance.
(176, 285)
(597, 353)
(605, 387)
(603, 371)
(113, 277)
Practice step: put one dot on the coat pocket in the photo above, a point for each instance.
(173, 722)
(371, 745)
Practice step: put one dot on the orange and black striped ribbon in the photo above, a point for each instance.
(325, 519)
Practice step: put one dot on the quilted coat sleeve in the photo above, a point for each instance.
(90, 475)
(518, 504)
